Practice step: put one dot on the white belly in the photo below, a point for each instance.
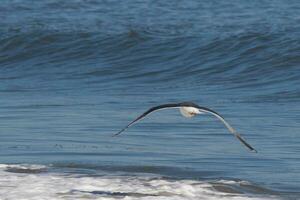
(189, 111)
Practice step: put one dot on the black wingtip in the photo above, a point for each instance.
(118, 133)
(246, 144)
(254, 151)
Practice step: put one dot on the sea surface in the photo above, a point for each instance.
(73, 73)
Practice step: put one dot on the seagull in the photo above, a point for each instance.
(190, 109)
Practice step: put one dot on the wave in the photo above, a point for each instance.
(54, 183)
(199, 55)
(238, 61)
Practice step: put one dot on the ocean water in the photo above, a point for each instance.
(73, 73)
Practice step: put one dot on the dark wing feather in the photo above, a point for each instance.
(238, 136)
(171, 105)
(228, 126)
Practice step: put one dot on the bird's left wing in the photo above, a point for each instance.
(228, 126)
(156, 108)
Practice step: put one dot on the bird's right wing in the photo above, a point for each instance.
(156, 108)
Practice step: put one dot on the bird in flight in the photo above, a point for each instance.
(189, 109)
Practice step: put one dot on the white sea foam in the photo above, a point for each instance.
(38, 184)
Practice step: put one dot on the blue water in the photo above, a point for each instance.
(72, 73)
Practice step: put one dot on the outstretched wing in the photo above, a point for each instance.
(228, 126)
(156, 108)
